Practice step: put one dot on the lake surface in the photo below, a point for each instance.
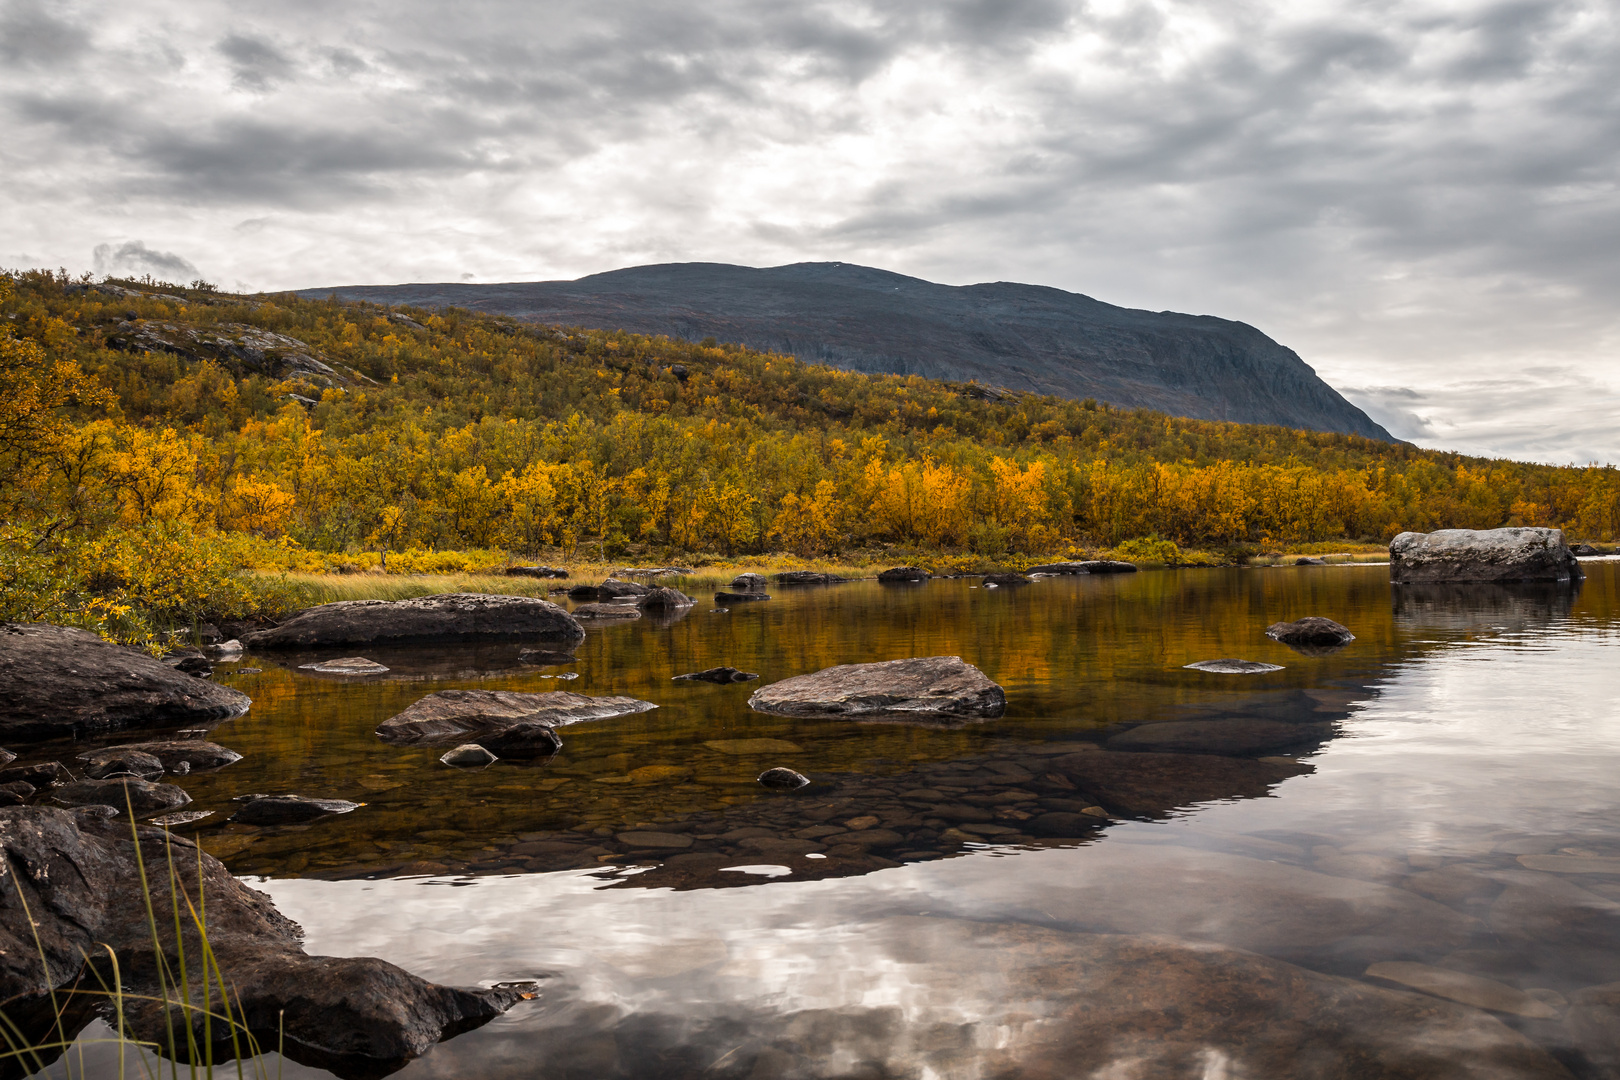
(1140, 871)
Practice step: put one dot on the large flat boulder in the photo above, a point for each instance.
(1486, 555)
(447, 617)
(357, 1016)
(62, 682)
(928, 686)
(458, 714)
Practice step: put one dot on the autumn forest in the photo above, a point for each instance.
(231, 433)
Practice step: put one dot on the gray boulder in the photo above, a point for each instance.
(904, 573)
(536, 572)
(930, 686)
(1001, 580)
(748, 581)
(1482, 555)
(1061, 569)
(447, 617)
(808, 577)
(175, 755)
(664, 598)
(1313, 632)
(783, 779)
(356, 1016)
(58, 681)
(456, 714)
(144, 797)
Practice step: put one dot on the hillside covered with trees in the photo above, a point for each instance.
(263, 431)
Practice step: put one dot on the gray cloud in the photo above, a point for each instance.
(1416, 195)
(134, 259)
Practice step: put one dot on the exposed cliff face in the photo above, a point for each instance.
(1022, 337)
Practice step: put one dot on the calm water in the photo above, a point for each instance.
(1440, 793)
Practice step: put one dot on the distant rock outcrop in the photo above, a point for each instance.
(1000, 338)
(1485, 555)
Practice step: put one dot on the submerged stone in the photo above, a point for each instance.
(348, 665)
(194, 754)
(607, 612)
(289, 809)
(1459, 986)
(1231, 666)
(1238, 736)
(468, 756)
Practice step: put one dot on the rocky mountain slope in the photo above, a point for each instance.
(1002, 334)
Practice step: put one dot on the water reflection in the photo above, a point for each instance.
(1140, 871)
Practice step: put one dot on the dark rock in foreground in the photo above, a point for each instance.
(536, 572)
(904, 573)
(1486, 555)
(921, 687)
(289, 809)
(783, 778)
(718, 675)
(453, 714)
(1311, 632)
(452, 616)
(174, 753)
(122, 794)
(58, 681)
(44, 775)
(356, 1016)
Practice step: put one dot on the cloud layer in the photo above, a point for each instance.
(1420, 197)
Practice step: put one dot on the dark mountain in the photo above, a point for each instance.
(1021, 337)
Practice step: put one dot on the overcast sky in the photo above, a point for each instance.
(1421, 198)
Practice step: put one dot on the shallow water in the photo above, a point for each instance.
(1442, 793)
